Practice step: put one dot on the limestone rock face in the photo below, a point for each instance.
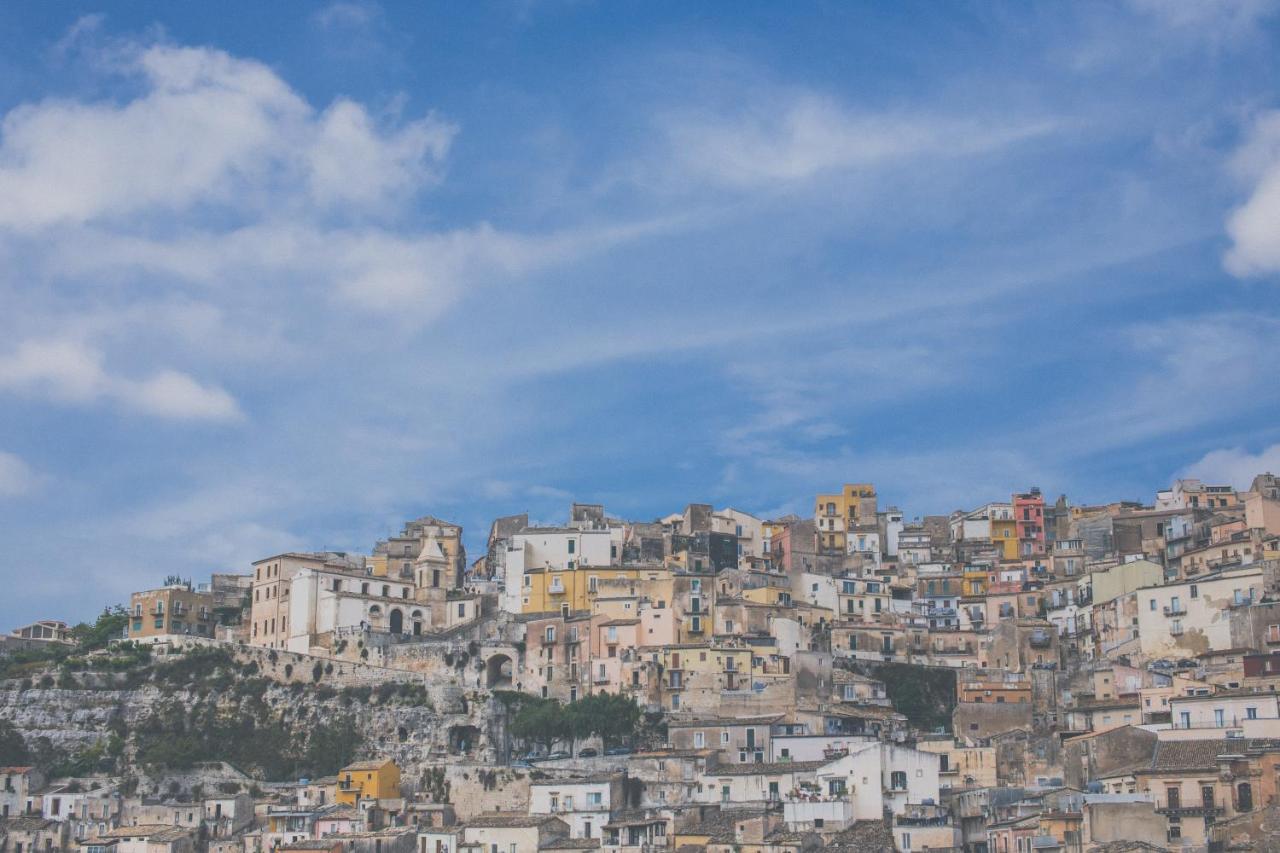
(454, 726)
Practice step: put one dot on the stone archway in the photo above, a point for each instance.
(416, 619)
(498, 671)
(396, 621)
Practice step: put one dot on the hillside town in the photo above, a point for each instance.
(1028, 675)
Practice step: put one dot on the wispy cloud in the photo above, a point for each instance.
(16, 477)
(789, 137)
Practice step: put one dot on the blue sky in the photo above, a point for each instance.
(276, 276)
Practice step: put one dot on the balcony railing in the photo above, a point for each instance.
(1175, 610)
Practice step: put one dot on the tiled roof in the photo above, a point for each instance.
(1187, 754)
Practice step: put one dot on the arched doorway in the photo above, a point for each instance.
(397, 621)
(463, 739)
(498, 671)
(416, 616)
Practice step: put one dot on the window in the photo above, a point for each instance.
(1251, 713)
(699, 740)
(1195, 591)
(1153, 604)
(898, 780)
(572, 545)
(1219, 717)
(551, 633)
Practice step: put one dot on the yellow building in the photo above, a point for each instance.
(1004, 535)
(833, 515)
(368, 780)
(772, 595)
(707, 666)
(548, 590)
(975, 580)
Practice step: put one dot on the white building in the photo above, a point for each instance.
(585, 804)
(891, 523)
(874, 775)
(1232, 713)
(556, 548)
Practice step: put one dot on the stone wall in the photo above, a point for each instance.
(475, 789)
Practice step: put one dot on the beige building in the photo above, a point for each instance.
(1124, 578)
(1262, 512)
(269, 602)
(169, 610)
(962, 766)
(1190, 617)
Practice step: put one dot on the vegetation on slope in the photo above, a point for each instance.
(546, 722)
(925, 695)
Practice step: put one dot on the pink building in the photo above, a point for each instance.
(1028, 512)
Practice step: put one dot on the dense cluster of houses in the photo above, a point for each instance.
(1022, 677)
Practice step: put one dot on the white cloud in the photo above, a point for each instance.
(68, 371)
(1235, 465)
(207, 130)
(1254, 227)
(16, 477)
(788, 138)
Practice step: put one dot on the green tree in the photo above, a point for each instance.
(109, 626)
(542, 722)
(13, 747)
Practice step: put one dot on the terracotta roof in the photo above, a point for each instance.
(724, 721)
(497, 820)
(26, 824)
(151, 832)
(570, 844)
(776, 768)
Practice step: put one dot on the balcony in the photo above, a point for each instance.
(1202, 810)
(1175, 610)
(657, 845)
